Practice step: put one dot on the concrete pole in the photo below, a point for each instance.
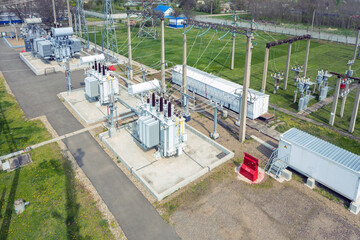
(69, 13)
(184, 76)
(307, 56)
(343, 102)
(356, 44)
(334, 106)
(245, 89)
(233, 53)
(54, 12)
(233, 47)
(130, 52)
(266, 64)
(355, 110)
(287, 67)
(162, 57)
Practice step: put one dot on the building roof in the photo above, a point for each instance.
(218, 82)
(162, 8)
(325, 149)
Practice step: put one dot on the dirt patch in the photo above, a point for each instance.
(13, 42)
(218, 206)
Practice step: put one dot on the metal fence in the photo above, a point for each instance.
(284, 30)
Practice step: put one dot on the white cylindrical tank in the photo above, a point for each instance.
(61, 32)
(33, 20)
(93, 58)
(144, 87)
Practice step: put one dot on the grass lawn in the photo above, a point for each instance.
(93, 19)
(214, 56)
(323, 114)
(60, 208)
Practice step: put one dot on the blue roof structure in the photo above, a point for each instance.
(162, 8)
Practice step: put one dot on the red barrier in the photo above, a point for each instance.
(249, 168)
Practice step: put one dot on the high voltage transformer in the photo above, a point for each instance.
(30, 31)
(60, 46)
(158, 126)
(100, 83)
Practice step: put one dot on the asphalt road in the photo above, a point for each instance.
(37, 96)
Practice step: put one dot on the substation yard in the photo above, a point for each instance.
(205, 49)
(198, 192)
(219, 206)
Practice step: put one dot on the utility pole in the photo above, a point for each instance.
(356, 44)
(233, 46)
(356, 103)
(162, 56)
(335, 101)
(287, 66)
(307, 56)
(54, 12)
(245, 86)
(312, 23)
(184, 76)
(129, 45)
(266, 63)
(355, 110)
(69, 13)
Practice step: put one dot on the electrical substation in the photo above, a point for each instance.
(181, 104)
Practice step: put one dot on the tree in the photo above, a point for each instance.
(38, 8)
(187, 7)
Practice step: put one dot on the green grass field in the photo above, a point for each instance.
(60, 208)
(214, 56)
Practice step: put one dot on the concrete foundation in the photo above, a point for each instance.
(310, 182)
(42, 67)
(93, 112)
(355, 207)
(166, 175)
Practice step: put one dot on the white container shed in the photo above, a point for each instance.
(332, 166)
(224, 92)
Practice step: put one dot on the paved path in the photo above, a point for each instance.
(282, 30)
(37, 96)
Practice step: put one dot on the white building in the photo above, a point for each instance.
(224, 92)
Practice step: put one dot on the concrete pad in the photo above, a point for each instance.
(93, 112)
(310, 182)
(165, 176)
(355, 207)
(42, 67)
(260, 179)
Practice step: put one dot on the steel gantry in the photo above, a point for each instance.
(281, 42)
(81, 26)
(109, 33)
(336, 96)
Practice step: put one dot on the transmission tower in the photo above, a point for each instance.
(109, 33)
(80, 22)
(148, 24)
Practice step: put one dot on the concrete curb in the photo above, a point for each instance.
(183, 183)
(5, 39)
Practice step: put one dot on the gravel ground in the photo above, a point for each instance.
(231, 209)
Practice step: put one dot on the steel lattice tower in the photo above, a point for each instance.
(81, 26)
(109, 33)
(148, 24)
